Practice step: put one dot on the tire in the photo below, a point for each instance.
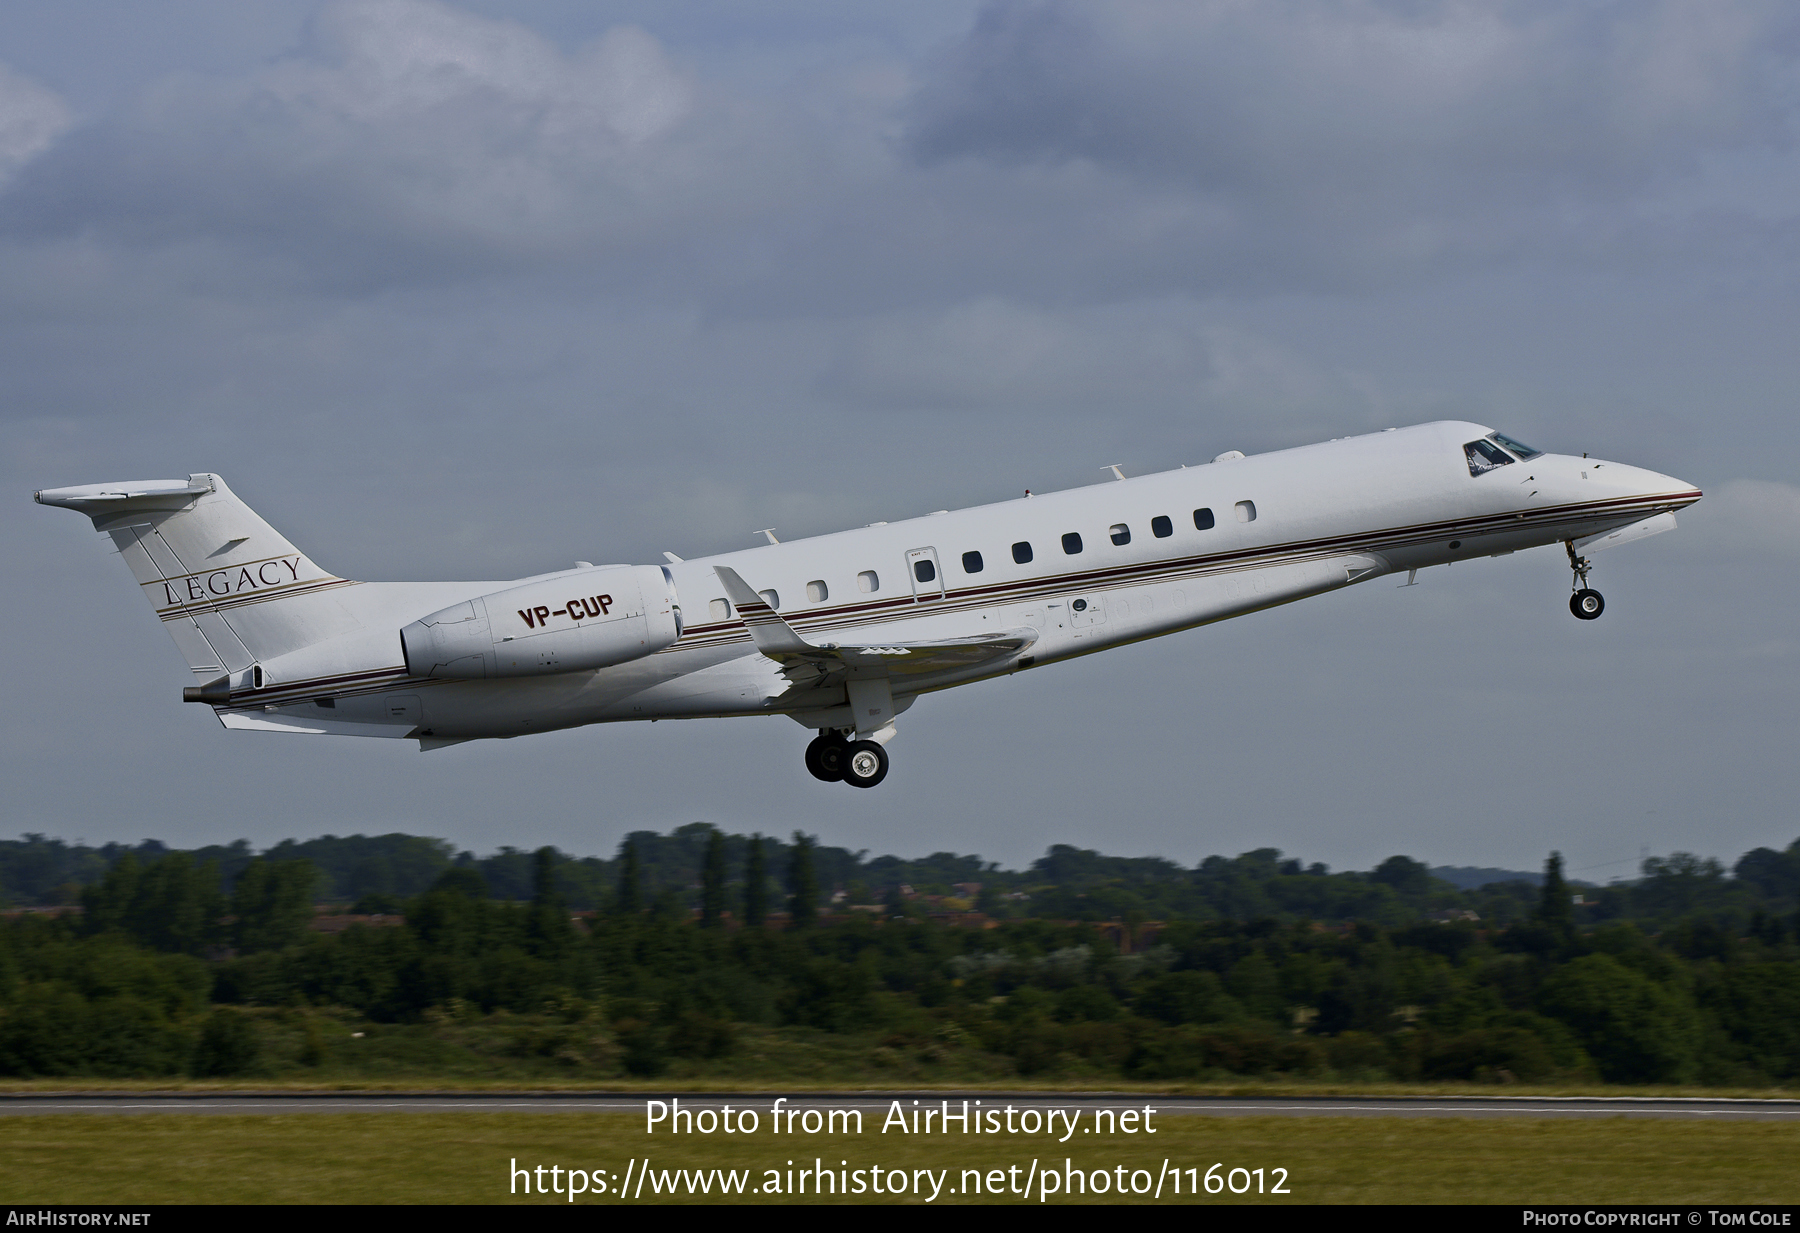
(865, 764)
(825, 757)
(1586, 605)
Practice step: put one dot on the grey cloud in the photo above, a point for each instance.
(31, 119)
(1056, 154)
(1413, 131)
(1266, 98)
(396, 60)
(409, 140)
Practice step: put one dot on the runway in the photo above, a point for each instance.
(877, 1104)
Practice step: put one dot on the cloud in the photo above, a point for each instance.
(1404, 132)
(409, 115)
(31, 119)
(408, 137)
(1267, 98)
(1054, 153)
(396, 62)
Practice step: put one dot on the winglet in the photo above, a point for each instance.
(773, 635)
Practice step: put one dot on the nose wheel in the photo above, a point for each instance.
(1586, 603)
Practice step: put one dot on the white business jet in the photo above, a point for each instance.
(842, 632)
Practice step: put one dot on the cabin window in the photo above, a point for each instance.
(771, 598)
(971, 562)
(1072, 542)
(719, 610)
(817, 592)
(1484, 456)
(867, 582)
(1121, 534)
(1523, 451)
(1022, 553)
(1203, 520)
(1161, 527)
(924, 570)
(1246, 511)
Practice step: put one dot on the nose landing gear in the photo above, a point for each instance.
(861, 764)
(1585, 603)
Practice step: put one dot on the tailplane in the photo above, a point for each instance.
(230, 589)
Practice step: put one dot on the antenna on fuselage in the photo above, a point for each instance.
(768, 531)
(1114, 468)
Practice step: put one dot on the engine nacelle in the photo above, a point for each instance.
(573, 622)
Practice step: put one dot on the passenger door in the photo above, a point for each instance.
(926, 574)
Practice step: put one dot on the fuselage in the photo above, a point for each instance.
(1116, 562)
(1064, 573)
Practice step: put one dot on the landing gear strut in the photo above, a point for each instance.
(861, 764)
(1585, 603)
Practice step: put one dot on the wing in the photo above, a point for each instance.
(810, 666)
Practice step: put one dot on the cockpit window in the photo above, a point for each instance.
(1519, 448)
(1484, 456)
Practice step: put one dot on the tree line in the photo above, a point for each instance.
(374, 874)
(166, 971)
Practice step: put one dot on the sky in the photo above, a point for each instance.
(478, 290)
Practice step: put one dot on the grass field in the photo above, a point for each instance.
(465, 1158)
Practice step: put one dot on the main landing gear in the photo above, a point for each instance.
(1585, 603)
(861, 764)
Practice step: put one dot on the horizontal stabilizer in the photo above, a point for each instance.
(106, 502)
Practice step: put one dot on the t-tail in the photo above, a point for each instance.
(231, 590)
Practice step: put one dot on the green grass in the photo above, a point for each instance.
(465, 1158)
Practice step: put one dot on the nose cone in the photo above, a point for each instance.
(1657, 492)
(1669, 493)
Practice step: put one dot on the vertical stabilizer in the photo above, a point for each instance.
(229, 588)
